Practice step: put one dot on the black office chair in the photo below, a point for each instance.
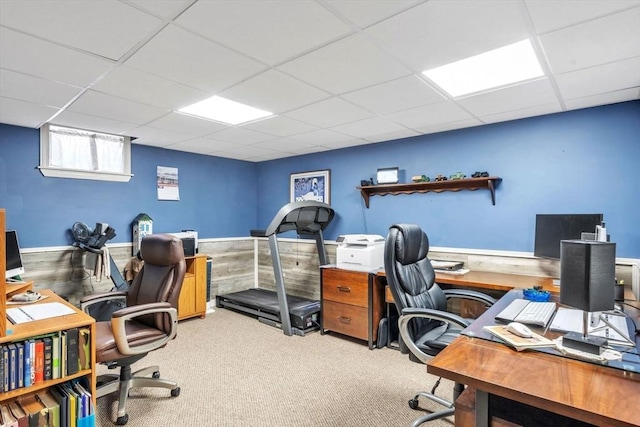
(425, 325)
(147, 323)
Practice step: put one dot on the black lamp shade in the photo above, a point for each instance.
(587, 274)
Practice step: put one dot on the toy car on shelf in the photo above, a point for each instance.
(480, 175)
(458, 175)
(440, 178)
(420, 178)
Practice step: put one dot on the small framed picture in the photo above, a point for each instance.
(315, 185)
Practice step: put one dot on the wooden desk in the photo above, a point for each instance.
(583, 391)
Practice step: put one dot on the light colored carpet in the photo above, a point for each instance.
(235, 371)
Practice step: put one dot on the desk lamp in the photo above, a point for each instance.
(587, 282)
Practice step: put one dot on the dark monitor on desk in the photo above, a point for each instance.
(15, 267)
(553, 228)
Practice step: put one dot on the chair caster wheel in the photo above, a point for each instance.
(155, 375)
(122, 420)
(413, 404)
(175, 392)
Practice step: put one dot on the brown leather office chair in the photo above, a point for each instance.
(425, 326)
(148, 322)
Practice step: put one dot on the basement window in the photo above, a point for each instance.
(83, 154)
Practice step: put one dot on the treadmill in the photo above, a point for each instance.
(307, 218)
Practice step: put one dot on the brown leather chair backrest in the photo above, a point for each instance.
(160, 278)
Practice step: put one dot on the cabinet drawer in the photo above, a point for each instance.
(345, 319)
(345, 286)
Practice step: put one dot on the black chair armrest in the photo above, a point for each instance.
(470, 294)
(424, 313)
(120, 318)
(90, 300)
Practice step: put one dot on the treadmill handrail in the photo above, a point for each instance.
(317, 216)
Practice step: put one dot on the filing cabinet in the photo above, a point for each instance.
(352, 303)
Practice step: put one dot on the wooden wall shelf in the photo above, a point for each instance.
(490, 183)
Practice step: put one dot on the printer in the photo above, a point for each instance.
(361, 252)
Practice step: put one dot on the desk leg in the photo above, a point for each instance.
(482, 408)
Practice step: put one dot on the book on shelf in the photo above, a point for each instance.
(84, 347)
(53, 407)
(28, 362)
(63, 401)
(55, 356)
(12, 365)
(20, 364)
(519, 343)
(36, 412)
(73, 361)
(38, 363)
(48, 357)
(19, 414)
(8, 419)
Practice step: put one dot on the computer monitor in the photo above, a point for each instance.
(552, 228)
(13, 255)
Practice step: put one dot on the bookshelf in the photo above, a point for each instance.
(3, 282)
(193, 295)
(24, 331)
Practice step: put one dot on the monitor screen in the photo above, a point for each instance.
(552, 228)
(13, 255)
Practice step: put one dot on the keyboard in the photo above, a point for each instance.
(528, 312)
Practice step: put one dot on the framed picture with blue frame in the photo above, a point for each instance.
(314, 185)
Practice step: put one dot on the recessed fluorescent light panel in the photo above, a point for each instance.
(500, 67)
(224, 110)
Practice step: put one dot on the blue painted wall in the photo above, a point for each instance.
(583, 161)
(217, 196)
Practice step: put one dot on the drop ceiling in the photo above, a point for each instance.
(335, 73)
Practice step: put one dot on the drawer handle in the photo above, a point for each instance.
(346, 320)
(344, 289)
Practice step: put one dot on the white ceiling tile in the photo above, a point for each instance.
(107, 106)
(397, 95)
(245, 152)
(193, 61)
(270, 31)
(33, 89)
(157, 137)
(406, 133)
(604, 99)
(597, 80)
(201, 145)
(366, 12)
(552, 15)
(608, 39)
(26, 54)
(21, 113)
(240, 136)
(280, 126)
(517, 97)
(265, 91)
(99, 124)
(108, 28)
(438, 32)
(147, 88)
(346, 65)
(369, 127)
(443, 127)
(187, 124)
(322, 137)
(283, 144)
(166, 9)
(538, 110)
(329, 113)
(443, 112)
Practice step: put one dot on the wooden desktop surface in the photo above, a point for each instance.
(488, 280)
(584, 391)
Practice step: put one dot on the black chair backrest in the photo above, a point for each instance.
(409, 272)
(160, 278)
